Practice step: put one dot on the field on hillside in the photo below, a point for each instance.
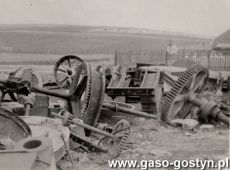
(84, 40)
(48, 59)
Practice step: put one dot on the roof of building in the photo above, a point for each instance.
(222, 42)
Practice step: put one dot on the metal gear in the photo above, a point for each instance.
(88, 91)
(122, 131)
(94, 97)
(124, 142)
(228, 83)
(191, 81)
(90, 95)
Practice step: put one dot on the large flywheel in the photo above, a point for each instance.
(65, 69)
(87, 94)
(191, 81)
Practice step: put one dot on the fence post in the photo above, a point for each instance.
(130, 58)
(166, 57)
(209, 55)
(115, 58)
(183, 53)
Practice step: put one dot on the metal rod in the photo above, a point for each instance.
(223, 118)
(169, 79)
(77, 122)
(51, 93)
(195, 101)
(128, 111)
(225, 107)
(226, 114)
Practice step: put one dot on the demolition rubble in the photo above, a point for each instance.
(80, 116)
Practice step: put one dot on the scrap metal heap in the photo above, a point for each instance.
(82, 89)
(84, 100)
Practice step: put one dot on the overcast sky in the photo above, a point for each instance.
(205, 17)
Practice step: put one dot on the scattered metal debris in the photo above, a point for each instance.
(172, 95)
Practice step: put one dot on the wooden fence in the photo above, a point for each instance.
(213, 60)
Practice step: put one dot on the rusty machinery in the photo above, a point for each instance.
(133, 83)
(92, 84)
(64, 78)
(16, 86)
(186, 93)
(85, 112)
(136, 85)
(84, 98)
(88, 85)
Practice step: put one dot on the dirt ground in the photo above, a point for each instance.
(151, 141)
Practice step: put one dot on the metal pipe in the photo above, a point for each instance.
(4, 81)
(27, 109)
(116, 107)
(226, 114)
(194, 100)
(223, 118)
(50, 93)
(225, 107)
(77, 122)
(216, 112)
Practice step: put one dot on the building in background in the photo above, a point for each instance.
(221, 44)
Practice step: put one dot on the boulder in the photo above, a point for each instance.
(185, 124)
(207, 127)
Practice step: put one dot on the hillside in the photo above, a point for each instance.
(59, 39)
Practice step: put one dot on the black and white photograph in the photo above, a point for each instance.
(114, 84)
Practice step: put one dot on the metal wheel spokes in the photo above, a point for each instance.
(191, 81)
(65, 69)
(78, 89)
(197, 81)
(79, 82)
